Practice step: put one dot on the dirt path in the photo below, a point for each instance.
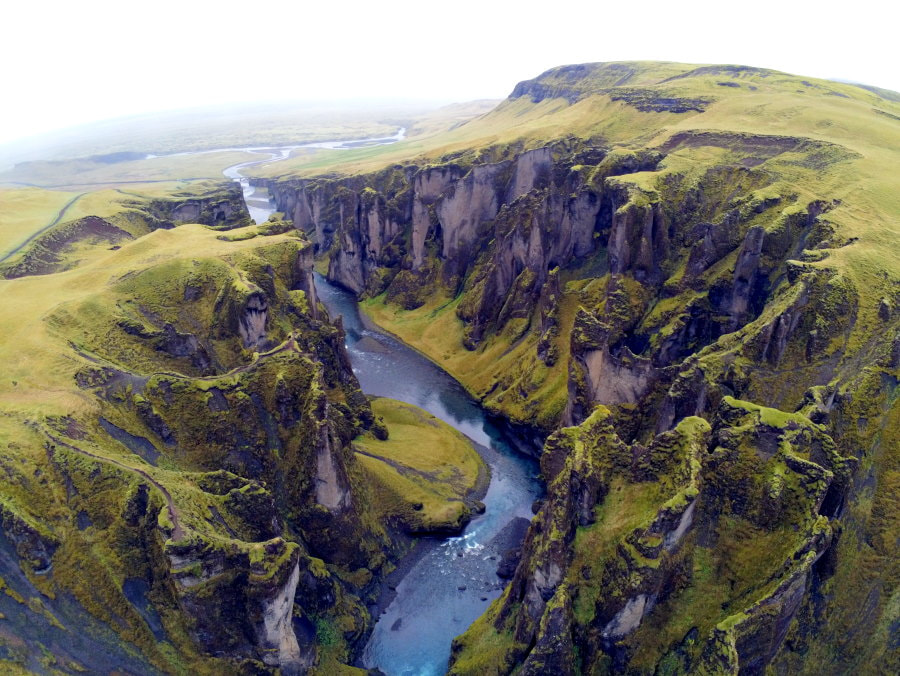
(59, 216)
(177, 530)
(290, 345)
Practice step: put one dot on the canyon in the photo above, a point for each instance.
(658, 303)
(601, 381)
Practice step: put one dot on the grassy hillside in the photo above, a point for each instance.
(174, 463)
(26, 210)
(93, 221)
(600, 107)
(646, 251)
(425, 474)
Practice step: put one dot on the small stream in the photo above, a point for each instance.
(445, 583)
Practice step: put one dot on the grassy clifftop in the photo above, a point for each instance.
(635, 105)
(664, 136)
(659, 248)
(176, 426)
(426, 474)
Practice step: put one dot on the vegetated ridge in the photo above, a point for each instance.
(182, 491)
(690, 275)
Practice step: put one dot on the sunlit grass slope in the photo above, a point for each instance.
(424, 471)
(29, 214)
(25, 210)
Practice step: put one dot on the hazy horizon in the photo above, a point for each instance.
(92, 64)
(369, 106)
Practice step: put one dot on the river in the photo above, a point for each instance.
(454, 580)
(445, 583)
(259, 202)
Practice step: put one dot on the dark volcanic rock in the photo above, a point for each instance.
(507, 566)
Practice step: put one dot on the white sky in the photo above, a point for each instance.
(65, 63)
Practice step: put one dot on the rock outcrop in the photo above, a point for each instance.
(222, 208)
(212, 466)
(632, 540)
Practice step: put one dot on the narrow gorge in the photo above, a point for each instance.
(600, 380)
(443, 585)
(685, 318)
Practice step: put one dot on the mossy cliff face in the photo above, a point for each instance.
(192, 483)
(488, 227)
(221, 208)
(642, 277)
(222, 370)
(693, 552)
(695, 281)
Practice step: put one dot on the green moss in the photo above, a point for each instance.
(484, 648)
(768, 416)
(424, 472)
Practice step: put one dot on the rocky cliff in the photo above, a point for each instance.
(692, 553)
(225, 377)
(493, 236)
(707, 306)
(191, 491)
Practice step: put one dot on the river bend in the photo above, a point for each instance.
(455, 579)
(445, 583)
